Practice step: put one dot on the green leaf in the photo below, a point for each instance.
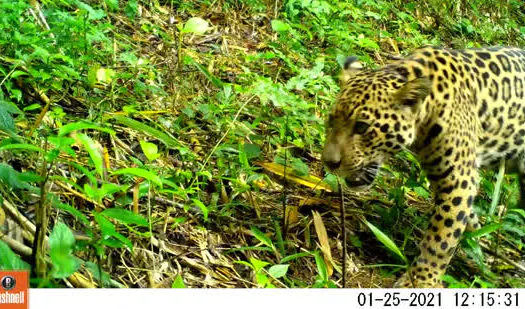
(61, 242)
(295, 256)
(150, 150)
(385, 240)
(141, 127)
(125, 216)
(131, 9)
(93, 14)
(202, 207)
(94, 152)
(487, 229)
(473, 250)
(112, 4)
(32, 107)
(139, 172)
(108, 231)
(258, 264)
(278, 271)
(262, 237)
(280, 26)
(300, 168)
(82, 125)
(195, 25)
(216, 81)
(321, 266)
(11, 177)
(7, 122)
(18, 73)
(27, 147)
(178, 283)
(10, 260)
(252, 150)
(518, 211)
(72, 210)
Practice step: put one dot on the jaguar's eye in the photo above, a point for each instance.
(360, 127)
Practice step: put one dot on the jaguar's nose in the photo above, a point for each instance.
(332, 163)
(331, 157)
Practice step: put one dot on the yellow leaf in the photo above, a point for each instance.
(308, 180)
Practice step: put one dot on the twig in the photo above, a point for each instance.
(343, 229)
(502, 257)
(15, 245)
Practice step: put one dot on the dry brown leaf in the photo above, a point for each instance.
(292, 215)
(320, 230)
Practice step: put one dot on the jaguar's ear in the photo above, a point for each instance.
(350, 67)
(413, 93)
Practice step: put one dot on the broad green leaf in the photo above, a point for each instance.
(92, 74)
(195, 25)
(61, 242)
(251, 150)
(473, 249)
(258, 264)
(125, 216)
(82, 125)
(7, 122)
(73, 211)
(10, 260)
(63, 144)
(139, 172)
(515, 228)
(178, 283)
(487, 229)
(385, 240)
(278, 271)
(12, 178)
(141, 127)
(202, 207)
(93, 14)
(18, 73)
(131, 9)
(95, 152)
(300, 168)
(518, 211)
(105, 76)
(280, 26)
(262, 237)
(150, 150)
(108, 231)
(112, 4)
(321, 266)
(106, 227)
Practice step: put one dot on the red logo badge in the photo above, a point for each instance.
(14, 289)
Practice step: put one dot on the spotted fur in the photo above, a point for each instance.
(457, 110)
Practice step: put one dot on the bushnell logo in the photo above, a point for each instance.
(8, 283)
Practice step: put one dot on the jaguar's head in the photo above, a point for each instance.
(373, 118)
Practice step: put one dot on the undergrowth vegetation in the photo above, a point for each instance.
(161, 144)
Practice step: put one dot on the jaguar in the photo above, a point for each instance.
(456, 110)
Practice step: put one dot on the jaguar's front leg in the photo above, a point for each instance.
(455, 186)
